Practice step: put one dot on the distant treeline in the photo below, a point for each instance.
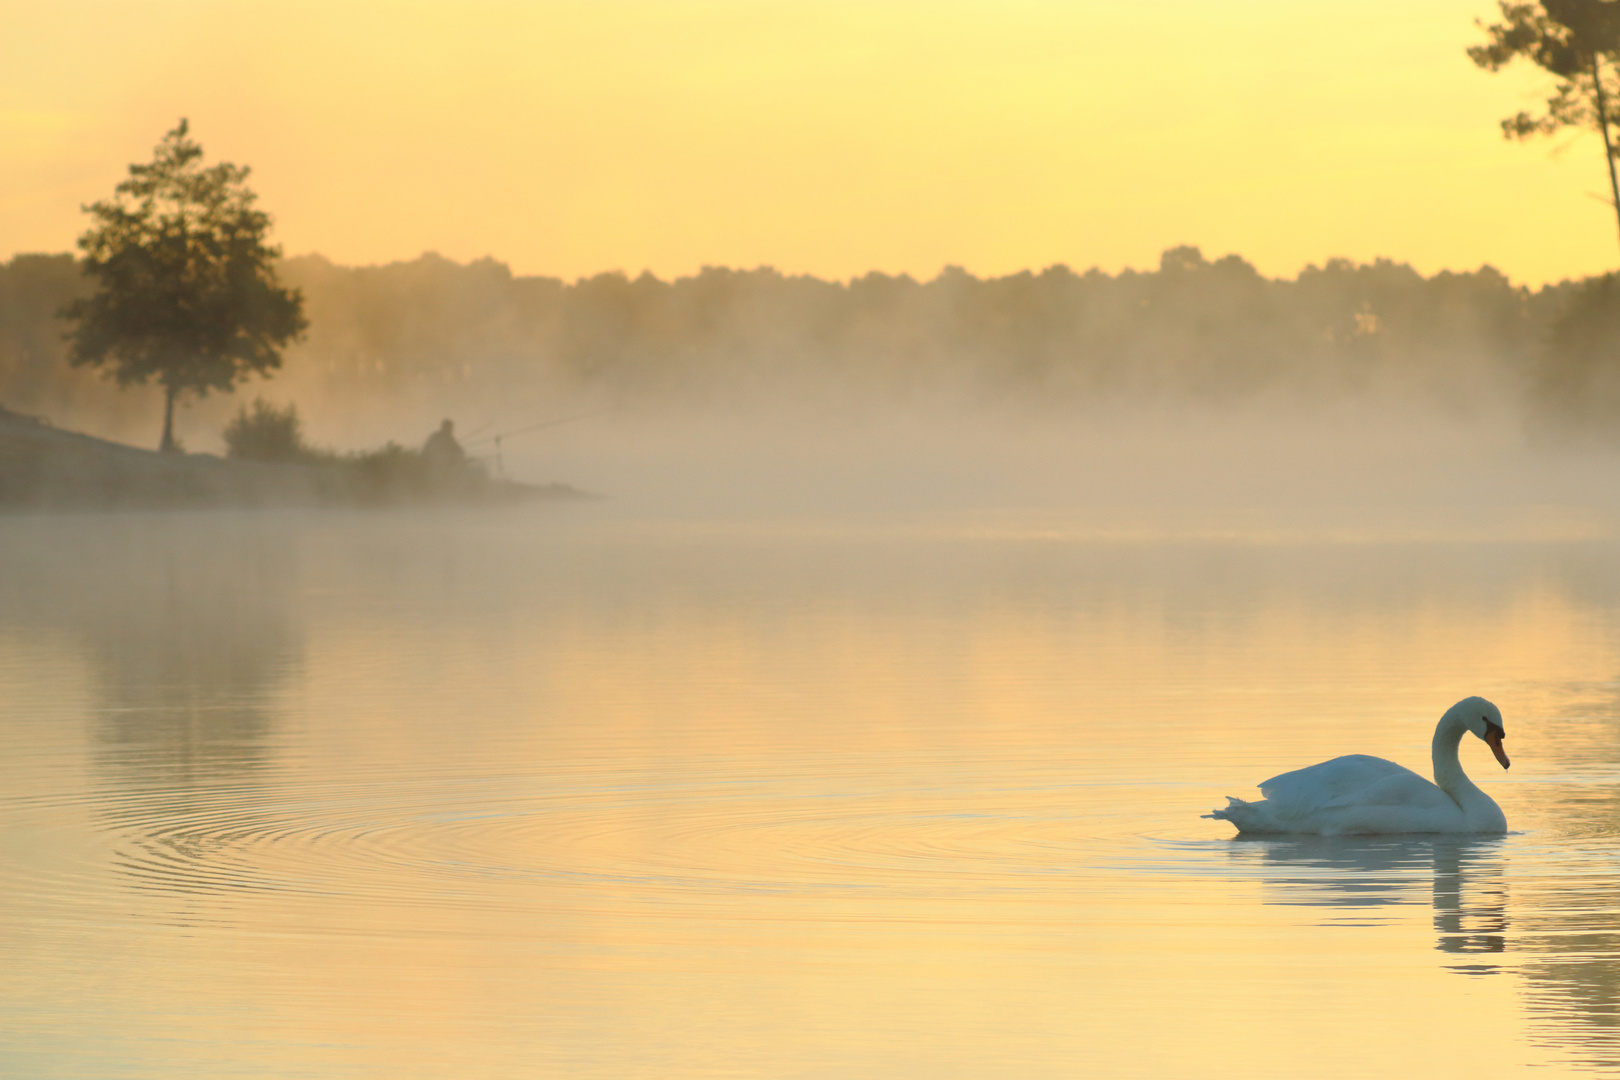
(432, 330)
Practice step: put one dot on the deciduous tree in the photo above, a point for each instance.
(1579, 42)
(186, 284)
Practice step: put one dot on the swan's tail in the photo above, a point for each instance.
(1247, 816)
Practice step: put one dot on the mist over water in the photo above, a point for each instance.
(851, 732)
(599, 790)
(1379, 472)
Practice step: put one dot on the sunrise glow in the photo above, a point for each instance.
(830, 138)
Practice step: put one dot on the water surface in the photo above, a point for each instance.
(562, 793)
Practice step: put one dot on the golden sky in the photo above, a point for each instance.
(831, 137)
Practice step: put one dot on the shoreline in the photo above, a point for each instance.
(47, 468)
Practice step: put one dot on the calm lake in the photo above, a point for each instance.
(563, 792)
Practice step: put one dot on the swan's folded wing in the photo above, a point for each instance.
(1355, 779)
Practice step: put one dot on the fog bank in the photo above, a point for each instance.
(1200, 390)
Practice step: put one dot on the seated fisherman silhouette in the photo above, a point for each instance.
(446, 460)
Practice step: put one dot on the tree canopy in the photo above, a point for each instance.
(186, 289)
(418, 340)
(1579, 42)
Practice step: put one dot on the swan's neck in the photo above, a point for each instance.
(1448, 771)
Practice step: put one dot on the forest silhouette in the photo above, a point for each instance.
(408, 337)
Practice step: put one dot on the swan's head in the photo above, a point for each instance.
(1484, 720)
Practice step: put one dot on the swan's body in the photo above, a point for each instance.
(1358, 794)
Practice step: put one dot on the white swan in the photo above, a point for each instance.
(1358, 794)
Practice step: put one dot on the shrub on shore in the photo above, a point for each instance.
(389, 474)
(263, 432)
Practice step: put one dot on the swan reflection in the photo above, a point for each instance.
(1470, 900)
(1557, 930)
(1463, 879)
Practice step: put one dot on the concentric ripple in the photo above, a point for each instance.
(539, 840)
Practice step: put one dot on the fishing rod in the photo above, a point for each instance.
(500, 463)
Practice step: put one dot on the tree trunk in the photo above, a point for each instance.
(168, 446)
(1603, 125)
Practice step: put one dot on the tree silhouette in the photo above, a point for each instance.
(1579, 42)
(186, 285)
(1572, 39)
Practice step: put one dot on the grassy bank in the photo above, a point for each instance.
(45, 468)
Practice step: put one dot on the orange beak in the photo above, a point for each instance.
(1495, 741)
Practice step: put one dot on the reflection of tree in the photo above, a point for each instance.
(1576, 994)
(182, 678)
(185, 626)
(186, 629)
(183, 673)
(1572, 931)
(1569, 923)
